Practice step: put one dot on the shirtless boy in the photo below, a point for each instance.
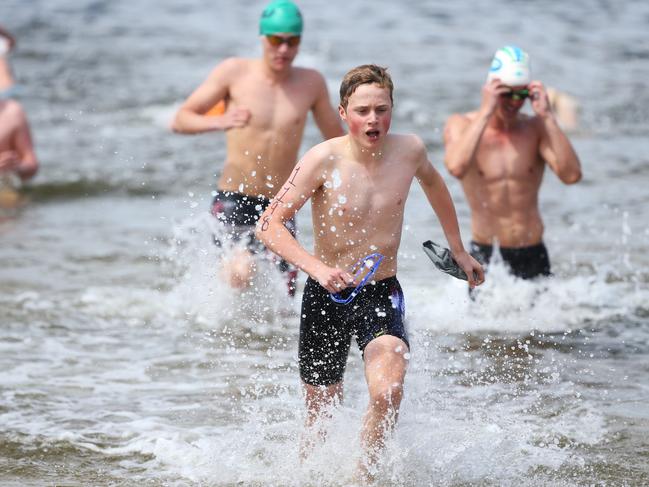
(268, 100)
(358, 185)
(500, 155)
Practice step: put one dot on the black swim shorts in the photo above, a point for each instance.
(326, 328)
(239, 214)
(524, 262)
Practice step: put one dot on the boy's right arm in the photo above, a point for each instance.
(21, 158)
(462, 134)
(461, 138)
(306, 179)
(191, 118)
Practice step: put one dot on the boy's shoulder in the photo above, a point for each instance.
(406, 143)
(326, 150)
(307, 73)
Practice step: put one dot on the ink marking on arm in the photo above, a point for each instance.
(279, 199)
(294, 175)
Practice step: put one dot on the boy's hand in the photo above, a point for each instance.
(491, 91)
(234, 118)
(473, 269)
(539, 99)
(333, 279)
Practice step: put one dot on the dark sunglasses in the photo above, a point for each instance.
(277, 41)
(517, 94)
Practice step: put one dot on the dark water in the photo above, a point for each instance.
(123, 361)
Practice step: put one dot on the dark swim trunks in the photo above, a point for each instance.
(326, 328)
(239, 214)
(524, 262)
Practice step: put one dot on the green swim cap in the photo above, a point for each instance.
(281, 16)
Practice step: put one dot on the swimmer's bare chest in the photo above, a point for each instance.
(357, 213)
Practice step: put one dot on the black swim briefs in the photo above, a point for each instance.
(524, 262)
(326, 328)
(239, 214)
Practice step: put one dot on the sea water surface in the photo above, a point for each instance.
(123, 359)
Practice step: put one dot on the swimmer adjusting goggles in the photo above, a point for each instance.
(443, 260)
(517, 94)
(370, 262)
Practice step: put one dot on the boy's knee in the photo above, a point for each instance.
(387, 396)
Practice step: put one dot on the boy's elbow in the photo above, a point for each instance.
(28, 169)
(175, 125)
(262, 231)
(572, 177)
(456, 170)
(259, 233)
(178, 125)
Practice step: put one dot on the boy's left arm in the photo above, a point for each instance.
(440, 199)
(554, 146)
(326, 118)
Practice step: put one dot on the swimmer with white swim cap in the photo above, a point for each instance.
(500, 154)
(262, 105)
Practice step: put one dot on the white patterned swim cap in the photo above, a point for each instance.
(512, 65)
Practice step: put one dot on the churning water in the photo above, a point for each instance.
(125, 361)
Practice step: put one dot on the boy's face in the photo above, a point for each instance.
(368, 114)
(510, 103)
(280, 50)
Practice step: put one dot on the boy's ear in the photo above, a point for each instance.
(342, 112)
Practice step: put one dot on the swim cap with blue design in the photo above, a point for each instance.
(281, 16)
(512, 65)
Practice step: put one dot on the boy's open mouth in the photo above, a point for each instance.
(372, 134)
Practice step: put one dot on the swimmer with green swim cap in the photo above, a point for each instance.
(267, 101)
(281, 17)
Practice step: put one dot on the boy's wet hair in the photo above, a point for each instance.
(363, 75)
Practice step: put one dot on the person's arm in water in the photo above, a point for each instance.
(22, 159)
(326, 118)
(462, 135)
(554, 147)
(191, 118)
(440, 200)
(305, 179)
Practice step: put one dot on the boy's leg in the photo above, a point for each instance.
(323, 349)
(385, 370)
(320, 401)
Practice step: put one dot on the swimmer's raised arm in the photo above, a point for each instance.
(462, 134)
(307, 178)
(191, 118)
(440, 200)
(554, 147)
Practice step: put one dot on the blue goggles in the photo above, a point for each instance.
(371, 264)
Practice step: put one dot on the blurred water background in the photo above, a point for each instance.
(124, 361)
